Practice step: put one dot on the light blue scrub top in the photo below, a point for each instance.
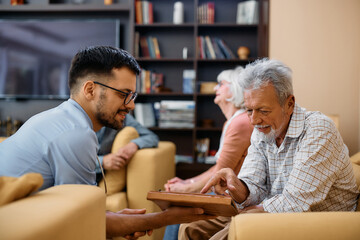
(59, 143)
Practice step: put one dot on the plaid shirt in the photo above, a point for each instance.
(310, 171)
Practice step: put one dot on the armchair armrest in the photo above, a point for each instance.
(148, 170)
(60, 212)
(296, 226)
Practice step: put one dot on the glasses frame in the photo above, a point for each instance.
(132, 95)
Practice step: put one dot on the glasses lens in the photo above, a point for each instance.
(130, 97)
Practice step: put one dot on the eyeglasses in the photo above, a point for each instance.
(129, 96)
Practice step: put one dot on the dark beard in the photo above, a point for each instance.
(105, 119)
(111, 123)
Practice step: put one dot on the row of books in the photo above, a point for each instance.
(166, 114)
(206, 13)
(213, 48)
(144, 12)
(247, 12)
(149, 81)
(176, 114)
(149, 46)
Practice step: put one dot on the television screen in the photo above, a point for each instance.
(35, 55)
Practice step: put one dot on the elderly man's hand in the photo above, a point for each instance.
(225, 182)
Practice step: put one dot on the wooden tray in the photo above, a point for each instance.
(212, 204)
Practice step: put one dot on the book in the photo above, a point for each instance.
(217, 205)
(157, 81)
(144, 47)
(156, 47)
(225, 49)
(189, 80)
(137, 44)
(210, 47)
(147, 81)
(210, 12)
(144, 114)
(150, 44)
(145, 11)
(219, 54)
(150, 12)
(138, 12)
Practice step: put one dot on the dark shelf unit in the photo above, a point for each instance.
(173, 38)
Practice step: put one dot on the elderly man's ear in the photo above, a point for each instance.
(290, 104)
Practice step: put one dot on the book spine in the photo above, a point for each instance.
(147, 81)
(145, 11)
(211, 12)
(150, 13)
(137, 45)
(143, 89)
(218, 53)
(138, 12)
(144, 47)
(156, 47)
(151, 47)
(211, 48)
(228, 50)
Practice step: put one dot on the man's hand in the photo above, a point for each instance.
(177, 215)
(254, 209)
(135, 235)
(133, 223)
(225, 179)
(124, 212)
(118, 160)
(169, 186)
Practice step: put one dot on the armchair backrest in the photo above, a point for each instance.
(355, 161)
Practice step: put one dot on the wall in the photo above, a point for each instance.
(320, 41)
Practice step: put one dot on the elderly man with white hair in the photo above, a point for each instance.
(297, 160)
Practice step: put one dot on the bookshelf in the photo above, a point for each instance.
(172, 38)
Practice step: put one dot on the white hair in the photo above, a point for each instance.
(232, 77)
(265, 71)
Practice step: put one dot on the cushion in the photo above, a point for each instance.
(116, 179)
(14, 188)
(356, 158)
(116, 202)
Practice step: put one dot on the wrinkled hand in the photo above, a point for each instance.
(253, 209)
(225, 179)
(177, 215)
(118, 160)
(135, 235)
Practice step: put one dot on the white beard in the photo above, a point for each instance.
(267, 137)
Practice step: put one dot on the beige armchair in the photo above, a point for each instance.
(313, 225)
(59, 212)
(148, 170)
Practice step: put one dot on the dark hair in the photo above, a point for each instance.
(99, 60)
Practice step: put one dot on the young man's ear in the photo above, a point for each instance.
(88, 90)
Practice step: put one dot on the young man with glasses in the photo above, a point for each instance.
(61, 143)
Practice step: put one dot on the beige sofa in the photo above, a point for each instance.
(300, 226)
(58, 213)
(148, 170)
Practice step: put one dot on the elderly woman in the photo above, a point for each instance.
(234, 141)
(235, 137)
